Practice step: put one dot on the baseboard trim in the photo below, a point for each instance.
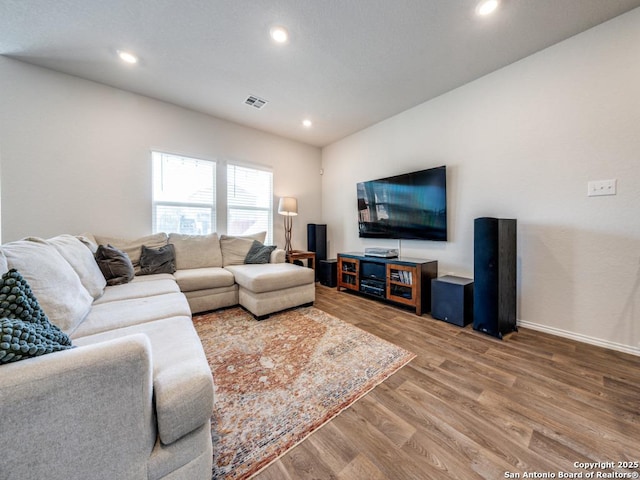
(580, 338)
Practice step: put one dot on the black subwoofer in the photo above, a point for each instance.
(452, 299)
(494, 271)
(329, 273)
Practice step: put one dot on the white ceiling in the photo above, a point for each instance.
(348, 63)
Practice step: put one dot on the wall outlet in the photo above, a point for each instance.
(597, 188)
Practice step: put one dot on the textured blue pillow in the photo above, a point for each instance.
(20, 340)
(259, 253)
(25, 330)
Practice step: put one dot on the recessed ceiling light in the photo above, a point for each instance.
(306, 123)
(486, 7)
(127, 57)
(279, 34)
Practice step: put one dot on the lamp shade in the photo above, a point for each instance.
(288, 206)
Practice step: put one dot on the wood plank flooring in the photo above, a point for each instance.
(474, 407)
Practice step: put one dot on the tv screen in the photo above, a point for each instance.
(409, 206)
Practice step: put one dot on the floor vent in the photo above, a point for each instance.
(255, 102)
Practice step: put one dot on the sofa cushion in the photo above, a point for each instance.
(54, 282)
(259, 253)
(278, 256)
(114, 264)
(152, 278)
(271, 276)
(134, 311)
(89, 241)
(266, 303)
(196, 251)
(4, 267)
(182, 382)
(212, 298)
(157, 260)
(203, 278)
(82, 261)
(235, 248)
(137, 290)
(133, 247)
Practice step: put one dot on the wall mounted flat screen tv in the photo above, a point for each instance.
(409, 206)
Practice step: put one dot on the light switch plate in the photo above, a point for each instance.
(597, 188)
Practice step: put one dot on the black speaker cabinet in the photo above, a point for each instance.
(329, 273)
(452, 300)
(494, 271)
(317, 240)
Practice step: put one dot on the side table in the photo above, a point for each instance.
(294, 255)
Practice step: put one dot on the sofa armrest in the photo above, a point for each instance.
(80, 413)
(278, 256)
(184, 398)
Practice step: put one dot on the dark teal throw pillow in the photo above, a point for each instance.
(259, 253)
(25, 330)
(20, 340)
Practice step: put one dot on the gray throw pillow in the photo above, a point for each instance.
(157, 260)
(114, 264)
(259, 253)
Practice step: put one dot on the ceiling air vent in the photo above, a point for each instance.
(255, 102)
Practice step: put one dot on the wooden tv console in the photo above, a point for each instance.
(405, 281)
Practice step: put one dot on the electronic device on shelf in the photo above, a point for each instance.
(381, 252)
(373, 270)
(373, 287)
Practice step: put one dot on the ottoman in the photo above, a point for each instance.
(271, 287)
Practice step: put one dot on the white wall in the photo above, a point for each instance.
(76, 156)
(522, 143)
(0, 192)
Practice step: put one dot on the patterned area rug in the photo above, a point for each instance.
(278, 380)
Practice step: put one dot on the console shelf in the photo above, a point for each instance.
(404, 281)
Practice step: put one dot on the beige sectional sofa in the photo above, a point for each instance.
(133, 398)
(211, 272)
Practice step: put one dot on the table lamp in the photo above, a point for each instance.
(288, 207)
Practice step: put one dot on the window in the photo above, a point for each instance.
(184, 197)
(249, 201)
(184, 193)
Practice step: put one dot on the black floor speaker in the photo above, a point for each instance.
(452, 300)
(329, 273)
(494, 271)
(317, 242)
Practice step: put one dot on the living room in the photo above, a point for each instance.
(519, 142)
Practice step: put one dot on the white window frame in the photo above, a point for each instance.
(220, 205)
(156, 162)
(267, 208)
